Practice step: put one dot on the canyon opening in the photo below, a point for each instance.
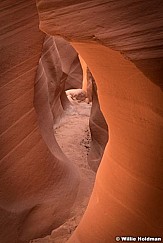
(75, 129)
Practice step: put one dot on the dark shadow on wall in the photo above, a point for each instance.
(98, 128)
(152, 69)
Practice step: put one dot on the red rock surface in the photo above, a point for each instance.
(121, 42)
(58, 71)
(99, 131)
(127, 197)
(70, 64)
(128, 193)
(36, 179)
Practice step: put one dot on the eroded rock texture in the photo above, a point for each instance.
(111, 36)
(97, 123)
(98, 128)
(59, 69)
(36, 179)
(70, 64)
(121, 41)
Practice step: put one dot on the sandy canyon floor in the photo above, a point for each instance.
(73, 135)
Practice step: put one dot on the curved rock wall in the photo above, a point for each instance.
(60, 68)
(70, 64)
(127, 197)
(97, 123)
(50, 73)
(137, 33)
(99, 130)
(36, 180)
(128, 193)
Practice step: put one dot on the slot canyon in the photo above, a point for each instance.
(81, 121)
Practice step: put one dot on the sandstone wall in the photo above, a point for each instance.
(59, 68)
(122, 44)
(112, 36)
(70, 64)
(99, 130)
(36, 180)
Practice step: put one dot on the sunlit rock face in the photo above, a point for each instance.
(38, 185)
(36, 179)
(121, 42)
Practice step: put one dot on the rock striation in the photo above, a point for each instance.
(98, 128)
(36, 179)
(121, 42)
(58, 71)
